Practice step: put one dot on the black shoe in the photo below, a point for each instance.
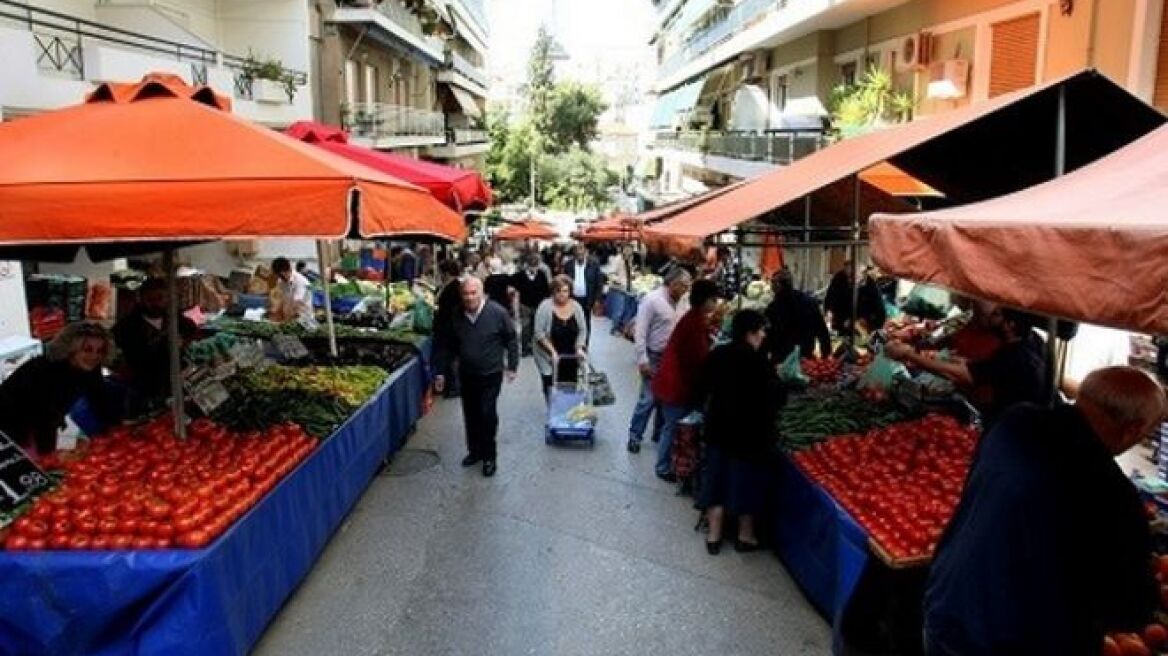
(656, 438)
(634, 446)
(471, 460)
(668, 477)
(489, 468)
(746, 547)
(713, 548)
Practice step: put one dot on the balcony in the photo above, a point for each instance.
(53, 59)
(396, 21)
(462, 142)
(382, 125)
(461, 136)
(742, 16)
(477, 12)
(776, 148)
(471, 71)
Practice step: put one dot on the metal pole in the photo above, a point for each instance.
(1054, 379)
(805, 253)
(173, 346)
(855, 258)
(325, 265)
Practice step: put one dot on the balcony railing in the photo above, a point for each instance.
(461, 136)
(464, 67)
(740, 17)
(475, 7)
(400, 16)
(60, 37)
(385, 121)
(773, 147)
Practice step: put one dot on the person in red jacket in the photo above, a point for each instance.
(676, 385)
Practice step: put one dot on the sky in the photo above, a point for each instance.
(603, 34)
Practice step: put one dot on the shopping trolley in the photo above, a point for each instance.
(571, 417)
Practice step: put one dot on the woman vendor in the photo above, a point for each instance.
(36, 397)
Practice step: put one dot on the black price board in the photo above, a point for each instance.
(290, 347)
(20, 479)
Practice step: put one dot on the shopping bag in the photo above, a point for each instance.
(686, 446)
(602, 393)
(423, 315)
(882, 373)
(790, 371)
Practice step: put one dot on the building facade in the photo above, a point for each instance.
(744, 86)
(407, 76)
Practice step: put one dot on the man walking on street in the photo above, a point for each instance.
(533, 286)
(656, 316)
(483, 339)
(587, 281)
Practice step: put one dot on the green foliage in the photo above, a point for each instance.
(871, 103)
(575, 114)
(576, 180)
(540, 82)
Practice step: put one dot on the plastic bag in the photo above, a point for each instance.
(928, 302)
(790, 371)
(882, 373)
(423, 316)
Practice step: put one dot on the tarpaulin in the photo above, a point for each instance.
(156, 161)
(459, 189)
(527, 230)
(1090, 246)
(217, 600)
(824, 549)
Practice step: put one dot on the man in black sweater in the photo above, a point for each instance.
(533, 286)
(481, 336)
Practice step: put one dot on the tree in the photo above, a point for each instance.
(576, 180)
(575, 114)
(508, 161)
(540, 82)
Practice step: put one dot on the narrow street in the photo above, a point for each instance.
(565, 551)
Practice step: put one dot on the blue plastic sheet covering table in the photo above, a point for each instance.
(216, 600)
(620, 307)
(824, 549)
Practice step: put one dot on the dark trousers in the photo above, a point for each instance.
(526, 330)
(587, 318)
(480, 415)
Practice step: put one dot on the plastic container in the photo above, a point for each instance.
(252, 301)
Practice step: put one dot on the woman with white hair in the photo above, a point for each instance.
(36, 397)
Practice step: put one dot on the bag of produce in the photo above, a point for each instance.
(928, 302)
(791, 371)
(882, 373)
(423, 316)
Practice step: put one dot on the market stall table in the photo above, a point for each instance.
(216, 600)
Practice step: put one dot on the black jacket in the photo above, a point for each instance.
(795, 320)
(482, 348)
(532, 292)
(593, 279)
(145, 350)
(36, 397)
(742, 398)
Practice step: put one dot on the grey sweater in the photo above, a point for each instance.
(479, 347)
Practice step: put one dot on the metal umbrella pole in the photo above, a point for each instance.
(178, 401)
(325, 266)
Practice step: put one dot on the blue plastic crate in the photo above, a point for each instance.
(253, 301)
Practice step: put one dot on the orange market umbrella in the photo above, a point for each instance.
(162, 161)
(527, 230)
(617, 227)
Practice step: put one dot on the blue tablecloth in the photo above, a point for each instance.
(216, 600)
(824, 549)
(620, 307)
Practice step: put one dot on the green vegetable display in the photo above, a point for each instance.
(267, 329)
(807, 420)
(353, 385)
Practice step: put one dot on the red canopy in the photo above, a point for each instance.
(460, 189)
(1091, 245)
(527, 230)
(162, 161)
(618, 227)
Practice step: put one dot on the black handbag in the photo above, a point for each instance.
(600, 389)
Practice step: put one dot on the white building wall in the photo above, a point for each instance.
(13, 315)
(152, 20)
(270, 28)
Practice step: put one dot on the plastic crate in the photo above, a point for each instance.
(252, 301)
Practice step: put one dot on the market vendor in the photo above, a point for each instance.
(142, 339)
(295, 295)
(1049, 547)
(1015, 373)
(795, 321)
(36, 397)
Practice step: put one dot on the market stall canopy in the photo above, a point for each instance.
(668, 210)
(1090, 246)
(619, 227)
(460, 189)
(525, 230)
(892, 180)
(968, 154)
(164, 162)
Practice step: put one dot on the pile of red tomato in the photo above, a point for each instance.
(143, 488)
(824, 370)
(901, 483)
(1154, 637)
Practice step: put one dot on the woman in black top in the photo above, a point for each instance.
(36, 397)
(740, 411)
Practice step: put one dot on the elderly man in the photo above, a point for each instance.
(656, 316)
(587, 281)
(1049, 547)
(482, 338)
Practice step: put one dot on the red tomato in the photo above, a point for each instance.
(79, 542)
(195, 539)
(36, 544)
(128, 525)
(100, 542)
(1155, 635)
(58, 541)
(121, 541)
(142, 542)
(1131, 645)
(16, 542)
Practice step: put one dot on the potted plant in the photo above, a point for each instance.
(271, 82)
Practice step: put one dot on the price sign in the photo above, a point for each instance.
(290, 347)
(20, 479)
(248, 355)
(204, 388)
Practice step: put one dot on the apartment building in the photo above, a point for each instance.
(408, 76)
(55, 51)
(745, 85)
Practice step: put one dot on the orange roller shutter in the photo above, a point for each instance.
(1014, 57)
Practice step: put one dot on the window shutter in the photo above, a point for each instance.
(1015, 54)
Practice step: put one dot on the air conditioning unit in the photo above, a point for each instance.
(915, 52)
(754, 66)
(948, 79)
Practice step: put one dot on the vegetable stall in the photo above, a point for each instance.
(155, 541)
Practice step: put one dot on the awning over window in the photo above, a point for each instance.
(466, 102)
(669, 105)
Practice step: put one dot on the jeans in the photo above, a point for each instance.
(646, 404)
(480, 415)
(672, 415)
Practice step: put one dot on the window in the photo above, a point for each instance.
(848, 74)
(350, 82)
(779, 87)
(874, 60)
(370, 84)
(1014, 58)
